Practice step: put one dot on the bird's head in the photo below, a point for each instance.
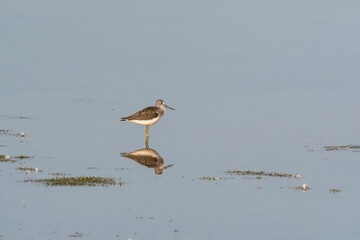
(161, 103)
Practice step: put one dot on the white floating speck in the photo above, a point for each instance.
(36, 169)
(305, 187)
(297, 176)
(7, 157)
(22, 134)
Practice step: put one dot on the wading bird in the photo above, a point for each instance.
(148, 116)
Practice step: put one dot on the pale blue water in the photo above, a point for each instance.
(256, 85)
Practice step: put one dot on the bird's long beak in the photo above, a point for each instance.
(169, 107)
(169, 166)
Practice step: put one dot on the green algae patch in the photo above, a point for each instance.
(258, 174)
(28, 169)
(354, 148)
(78, 181)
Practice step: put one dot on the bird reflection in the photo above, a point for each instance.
(148, 157)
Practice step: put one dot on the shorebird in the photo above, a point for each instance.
(148, 116)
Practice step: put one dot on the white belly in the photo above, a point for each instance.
(146, 122)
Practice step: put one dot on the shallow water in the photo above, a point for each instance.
(260, 86)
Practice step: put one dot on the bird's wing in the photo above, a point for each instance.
(145, 114)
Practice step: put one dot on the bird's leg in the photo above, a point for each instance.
(147, 143)
(147, 131)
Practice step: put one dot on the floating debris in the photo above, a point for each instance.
(22, 134)
(297, 176)
(305, 187)
(334, 190)
(77, 181)
(28, 169)
(355, 148)
(257, 173)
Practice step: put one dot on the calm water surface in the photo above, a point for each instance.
(257, 85)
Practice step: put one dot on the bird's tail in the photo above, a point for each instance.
(122, 119)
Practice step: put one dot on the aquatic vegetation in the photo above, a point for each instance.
(334, 190)
(6, 158)
(28, 169)
(343, 147)
(15, 117)
(77, 181)
(303, 188)
(4, 132)
(210, 178)
(76, 234)
(257, 173)
(58, 174)
(22, 157)
(7, 132)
